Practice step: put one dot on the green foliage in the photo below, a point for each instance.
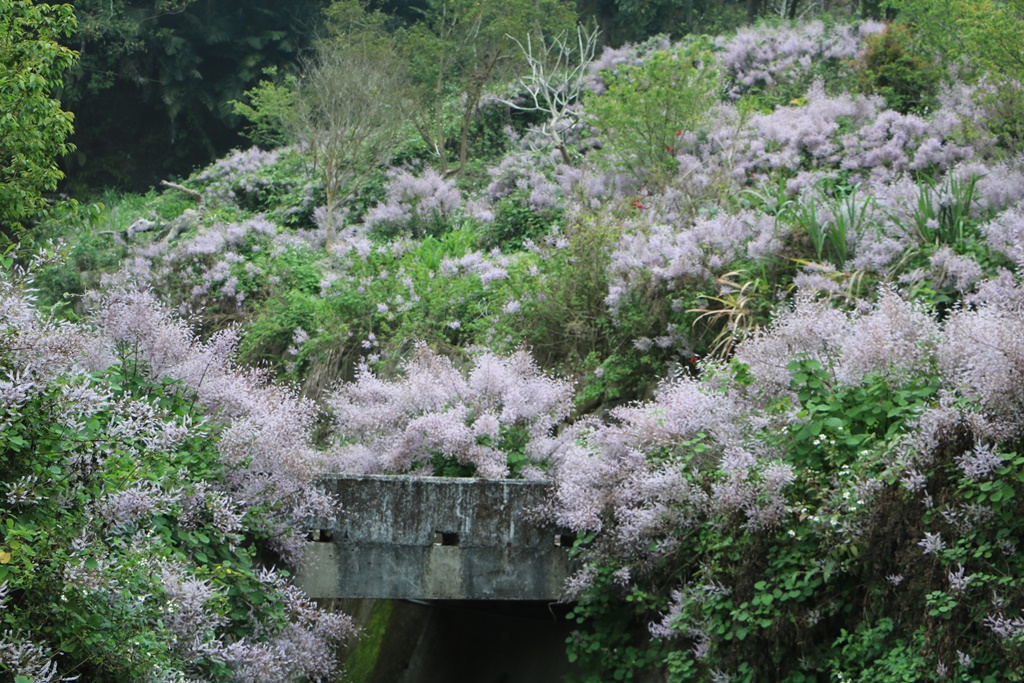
(612, 643)
(840, 419)
(269, 105)
(804, 598)
(361, 660)
(343, 317)
(633, 21)
(647, 107)
(944, 214)
(989, 34)
(347, 115)
(33, 129)
(79, 272)
(830, 237)
(985, 37)
(740, 307)
(515, 221)
(352, 21)
(892, 67)
(272, 325)
(568, 326)
(893, 661)
(1004, 114)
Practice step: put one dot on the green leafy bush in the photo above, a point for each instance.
(33, 127)
(648, 106)
(891, 66)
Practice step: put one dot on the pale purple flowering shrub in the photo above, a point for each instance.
(852, 133)
(669, 255)
(268, 426)
(495, 419)
(611, 60)
(1004, 234)
(237, 175)
(836, 493)
(212, 270)
(414, 205)
(781, 61)
(878, 429)
(158, 456)
(254, 180)
(524, 202)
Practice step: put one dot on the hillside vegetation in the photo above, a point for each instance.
(752, 303)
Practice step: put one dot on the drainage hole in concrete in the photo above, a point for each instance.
(565, 540)
(446, 538)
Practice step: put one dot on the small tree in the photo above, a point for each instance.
(555, 83)
(988, 33)
(348, 112)
(460, 48)
(647, 107)
(986, 36)
(33, 128)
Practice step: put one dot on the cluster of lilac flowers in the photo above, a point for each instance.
(611, 59)
(522, 172)
(852, 133)
(238, 173)
(24, 658)
(664, 253)
(697, 453)
(760, 57)
(413, 200)
(489, 267)
(266, 439)
(701, 452)
(208, 269)
(434, 409)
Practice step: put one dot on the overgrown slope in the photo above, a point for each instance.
(768, 349)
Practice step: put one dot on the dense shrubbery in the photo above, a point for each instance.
(146, 478)
(769, 352)
(838, 500)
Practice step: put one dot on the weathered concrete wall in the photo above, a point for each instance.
(434, 538)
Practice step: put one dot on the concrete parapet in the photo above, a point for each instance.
(435, 538)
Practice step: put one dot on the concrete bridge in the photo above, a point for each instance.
(435, 538)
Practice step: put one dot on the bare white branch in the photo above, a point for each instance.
(557, 77)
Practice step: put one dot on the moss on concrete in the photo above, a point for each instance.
(361, 661)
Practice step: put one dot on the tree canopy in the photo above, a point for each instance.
(33, 127)
(154, 84)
